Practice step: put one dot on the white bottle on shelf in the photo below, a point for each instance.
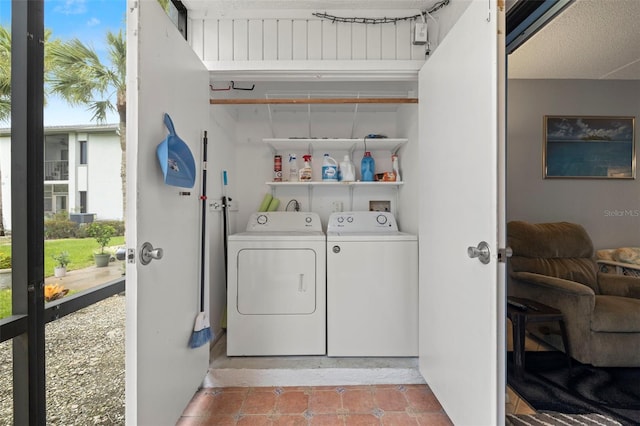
(395, 165)
(347, 170)
(293, 168)
(329, 169)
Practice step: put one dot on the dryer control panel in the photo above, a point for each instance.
(370, 222)
(284, 222)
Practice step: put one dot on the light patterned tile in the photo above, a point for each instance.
(295, 402)
(391, 398)
(325, 402)
(358, 400)
(259, 402)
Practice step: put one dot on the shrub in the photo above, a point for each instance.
(5, 261)
(59, 226)
(117, 225)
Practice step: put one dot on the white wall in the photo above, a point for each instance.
(408, 210)
(286, 35)
(590, 202)
(5, 176)
(104, 192)
(221, 155)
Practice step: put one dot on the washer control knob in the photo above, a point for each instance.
(350, 219)
(336, 249)
(308, 219)
(382, 219)
(262, 219)
(340, 219)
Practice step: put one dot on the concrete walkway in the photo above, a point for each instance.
(81, 279)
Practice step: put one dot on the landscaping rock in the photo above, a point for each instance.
(84, 365)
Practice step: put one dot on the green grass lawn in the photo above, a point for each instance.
(80, 251)
(5, 303)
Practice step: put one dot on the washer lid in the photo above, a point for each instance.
(369, 237)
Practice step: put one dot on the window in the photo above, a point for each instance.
(55, 198)
(83, 201)
(83, 152)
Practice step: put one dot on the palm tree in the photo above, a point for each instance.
(5, 82)
(80, 78)
(5, 74)
(5, 92)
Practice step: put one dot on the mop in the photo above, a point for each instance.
(202, 329)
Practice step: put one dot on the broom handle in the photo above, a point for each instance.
(203, 235)
(225, 220)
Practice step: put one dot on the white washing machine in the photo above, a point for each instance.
(276, 286)
(372, 286)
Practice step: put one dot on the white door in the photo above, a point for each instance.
(461, 315)
(163, 76)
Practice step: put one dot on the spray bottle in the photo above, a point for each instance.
(306, 173)
(395, 165)
(293, 168)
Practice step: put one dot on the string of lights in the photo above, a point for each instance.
(439, 5)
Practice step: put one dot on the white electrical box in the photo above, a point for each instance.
(420, 33)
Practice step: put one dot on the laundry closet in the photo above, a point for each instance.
(255, 86)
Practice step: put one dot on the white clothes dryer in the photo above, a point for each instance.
(276, 286)
(372, 286)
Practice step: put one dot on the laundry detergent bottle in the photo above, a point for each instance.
(367, 167)
(329, 169)
(347, 170)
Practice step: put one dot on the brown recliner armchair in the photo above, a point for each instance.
(553, 263)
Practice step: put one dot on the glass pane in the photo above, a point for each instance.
(83, 159)
(85, 365)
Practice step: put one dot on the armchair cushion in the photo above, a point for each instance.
(613, 314)
(619, 285)
(553, 283)
(582, 271)
(538, 249)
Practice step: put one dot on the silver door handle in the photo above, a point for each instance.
(482, 252)
(148, 253)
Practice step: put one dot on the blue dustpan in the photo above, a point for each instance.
(176, 161)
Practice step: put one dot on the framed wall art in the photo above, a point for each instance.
(589, 147)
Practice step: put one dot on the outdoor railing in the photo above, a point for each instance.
(56, 170)
(13, 326)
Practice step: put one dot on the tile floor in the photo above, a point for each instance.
(317, 405)
(330, 405)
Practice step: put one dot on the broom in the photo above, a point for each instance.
(202, 329)
(225, 232)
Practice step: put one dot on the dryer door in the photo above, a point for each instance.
(276, 281)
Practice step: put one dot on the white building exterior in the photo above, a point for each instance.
(81, 171)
